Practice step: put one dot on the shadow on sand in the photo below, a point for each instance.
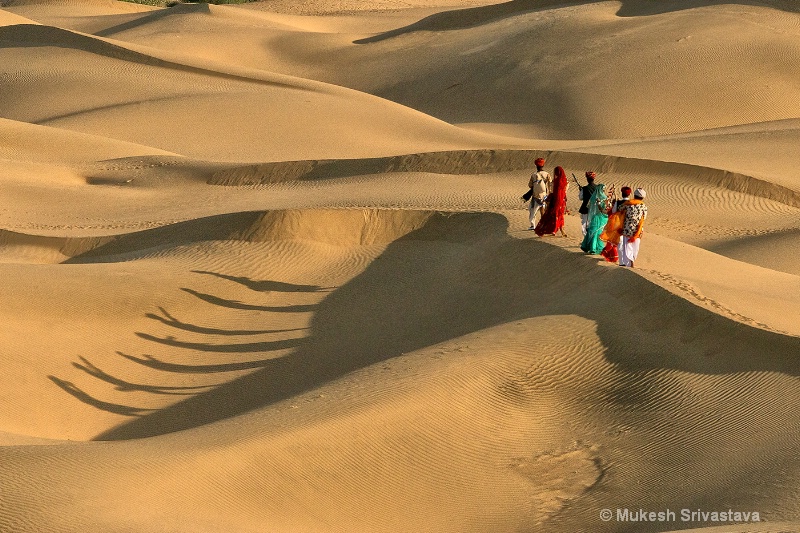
(459, 19)
(459, 274)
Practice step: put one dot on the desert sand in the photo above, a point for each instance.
(266, 267)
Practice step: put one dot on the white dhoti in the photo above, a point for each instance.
(533, 209)
(628, 251)
(584, 223)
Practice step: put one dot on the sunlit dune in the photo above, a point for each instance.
(266, 267)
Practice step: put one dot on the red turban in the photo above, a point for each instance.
(590, 175)
(539, 162)
(626, 191)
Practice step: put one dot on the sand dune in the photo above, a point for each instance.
(761, 150)
(266, 266)
(397, 411)
(29, 142)
(10, 19)
(170, 100)
(505, 63)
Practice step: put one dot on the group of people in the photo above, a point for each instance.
(548, 200)
(612, 227)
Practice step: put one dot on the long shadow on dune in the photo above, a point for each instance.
(264, 346)
(166, 318)
(119, 385)
(235, 304)
(119, 409)
(265, 285)
(459, 19)
(460, 274)
(205, 368)
(127, 386)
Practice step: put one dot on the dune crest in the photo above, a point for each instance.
(267, 267)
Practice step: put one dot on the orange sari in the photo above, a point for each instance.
(612, 233)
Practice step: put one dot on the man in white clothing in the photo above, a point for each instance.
(635, 215)
(539, 184)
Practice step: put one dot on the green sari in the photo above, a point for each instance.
(597, 220)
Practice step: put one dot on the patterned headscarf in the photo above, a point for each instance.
(599, 198)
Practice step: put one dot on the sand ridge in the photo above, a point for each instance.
(517, 48)
(266, 266)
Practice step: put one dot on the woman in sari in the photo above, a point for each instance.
(598, 216)
(612, 233)
(553, 219)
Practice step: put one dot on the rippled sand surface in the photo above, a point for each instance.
(266, 267)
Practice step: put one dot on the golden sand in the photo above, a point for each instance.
(265, 266)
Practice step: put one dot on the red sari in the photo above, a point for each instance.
(553, 218)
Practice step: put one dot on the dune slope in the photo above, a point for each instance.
(482, 409)
(266, 267)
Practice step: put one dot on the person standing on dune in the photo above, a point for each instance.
(553, 218)
(599, 208)
(539, 186)
(626, 195)
(585, 193)
(635, 214)
(612, 233)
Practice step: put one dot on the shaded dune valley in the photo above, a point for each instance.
(266, 267)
